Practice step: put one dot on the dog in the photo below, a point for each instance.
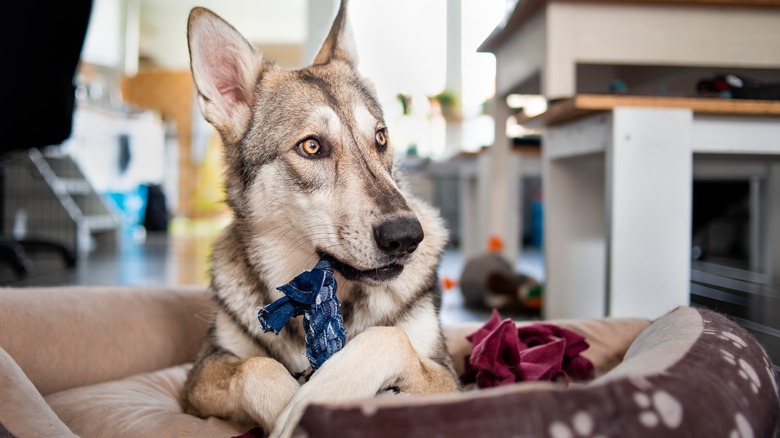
(310, 173)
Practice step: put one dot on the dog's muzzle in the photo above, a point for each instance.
(396, 238)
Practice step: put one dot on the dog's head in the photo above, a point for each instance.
(309, 157)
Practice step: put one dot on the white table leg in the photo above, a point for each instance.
(617, 194)
(499, 190)
(574, 237)
(574, 218)
(468, 210)
(649, 185)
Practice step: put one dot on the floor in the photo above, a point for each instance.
(182, 257)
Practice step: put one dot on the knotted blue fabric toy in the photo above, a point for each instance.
(313, 295)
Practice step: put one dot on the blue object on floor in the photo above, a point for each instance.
(131, 205)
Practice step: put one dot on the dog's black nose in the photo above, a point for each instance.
(398, 237)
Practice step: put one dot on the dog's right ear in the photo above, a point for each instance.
(225, 67)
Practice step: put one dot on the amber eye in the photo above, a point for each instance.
(309, 146)
(381, 138)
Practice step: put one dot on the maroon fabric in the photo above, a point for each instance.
(503, 354)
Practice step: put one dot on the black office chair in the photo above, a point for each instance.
(41, 46)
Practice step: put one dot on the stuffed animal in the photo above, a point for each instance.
(489, 281)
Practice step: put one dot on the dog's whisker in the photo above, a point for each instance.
(283, 235)
(301, 240)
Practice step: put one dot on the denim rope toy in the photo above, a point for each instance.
(313, 295)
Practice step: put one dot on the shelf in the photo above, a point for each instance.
(586, 104)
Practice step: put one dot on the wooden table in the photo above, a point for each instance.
(562, 48)
(541, 43)
(618, 174)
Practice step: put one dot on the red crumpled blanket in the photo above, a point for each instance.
(504, 353)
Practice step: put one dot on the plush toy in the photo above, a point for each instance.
(504, 353)
(313, 295)
(489, 281)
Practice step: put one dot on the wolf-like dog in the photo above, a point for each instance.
(309, 173)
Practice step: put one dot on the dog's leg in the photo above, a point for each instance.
(386, 359)
(225, 386)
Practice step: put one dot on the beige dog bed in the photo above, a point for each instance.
(112, 362)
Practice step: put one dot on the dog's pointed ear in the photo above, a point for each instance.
(225, 67)
(340, 42)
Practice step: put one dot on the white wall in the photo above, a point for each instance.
(104, 43)
(163, 33)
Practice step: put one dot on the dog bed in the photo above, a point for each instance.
(112, 362)
(691, 373)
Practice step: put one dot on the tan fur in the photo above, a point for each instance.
(290, 208)
(255, 389)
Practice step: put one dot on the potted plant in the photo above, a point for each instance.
(448, 103)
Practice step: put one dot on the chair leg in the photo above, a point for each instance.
(13, 253)
(34, 245)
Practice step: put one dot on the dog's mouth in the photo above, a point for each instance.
(376, 275)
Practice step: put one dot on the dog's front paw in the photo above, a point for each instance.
(375, 360)
(341, 378)
(328, 384)
(288, 420)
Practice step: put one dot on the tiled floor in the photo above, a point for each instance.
(183, 258)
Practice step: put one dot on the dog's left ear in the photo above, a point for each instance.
(340, 42)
